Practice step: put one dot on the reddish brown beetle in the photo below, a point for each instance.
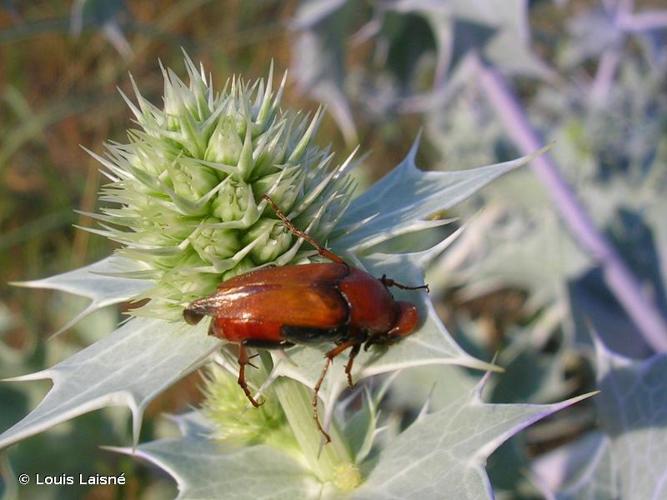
(278, 307)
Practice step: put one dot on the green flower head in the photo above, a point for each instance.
(185, 197)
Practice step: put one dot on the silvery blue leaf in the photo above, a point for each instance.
(580, 470)
(129, 367)
(443, 454)
(626, 458)
(95, 282)
(407, 195)
(632, 403)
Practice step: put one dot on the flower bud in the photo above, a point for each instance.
(192, 182)
(274, 240)
(234, 200)
(215, 244)
(225, 144)
(284, 187)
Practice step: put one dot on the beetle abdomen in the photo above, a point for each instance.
(311, 335)
(238, 330)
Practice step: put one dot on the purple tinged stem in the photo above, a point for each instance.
(622, 283)
(604, 76)
(644, 21)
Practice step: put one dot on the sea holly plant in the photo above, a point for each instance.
(623, 458)
(185, 201)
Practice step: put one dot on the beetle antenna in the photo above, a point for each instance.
(390, 282)
(300, 234)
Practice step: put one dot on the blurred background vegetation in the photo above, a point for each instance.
(378, 67)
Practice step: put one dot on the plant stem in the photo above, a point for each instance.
(618, 277)
(644, 21)
(330, 463)
(604, 77)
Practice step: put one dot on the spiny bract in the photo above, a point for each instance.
(186, 189)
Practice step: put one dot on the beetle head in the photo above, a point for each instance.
(406, 323)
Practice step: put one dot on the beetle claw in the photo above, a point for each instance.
(254, 402)
(243, 361)
(253, 364)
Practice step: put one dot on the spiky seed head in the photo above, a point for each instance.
(185, 197)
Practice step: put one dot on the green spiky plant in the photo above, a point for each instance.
(186, 191)
(185, 203)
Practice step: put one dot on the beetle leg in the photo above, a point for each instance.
(329, 358)
(390, 282)
(316, 415)
(300, 234)
(350, 361)
(243, 360)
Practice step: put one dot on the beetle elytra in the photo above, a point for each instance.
(277, 307)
